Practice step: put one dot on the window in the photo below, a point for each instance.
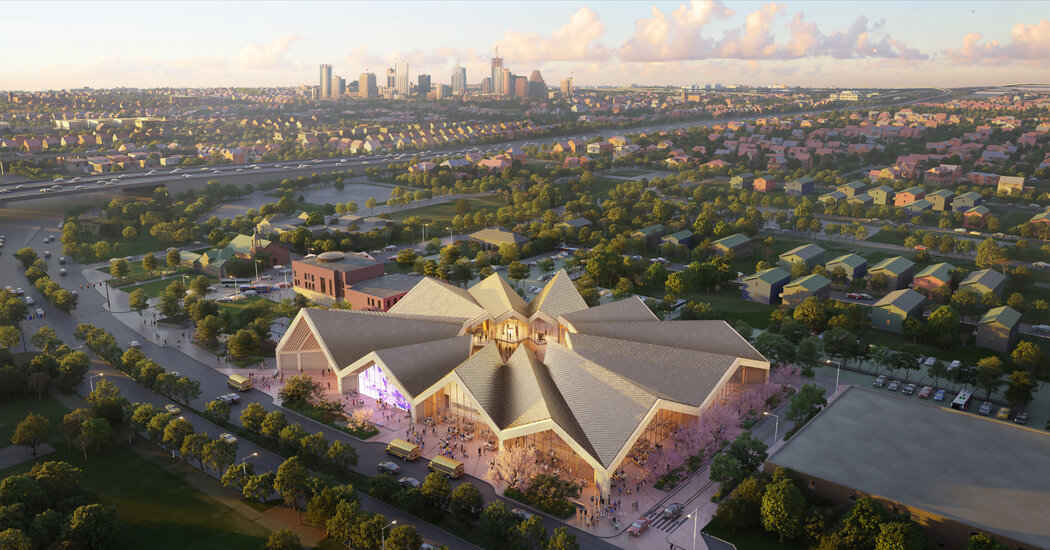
(812, 485)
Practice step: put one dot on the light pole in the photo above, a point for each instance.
(384, 533)
(776, 427)
(91, 380)
(244, 465)
(425, 232)
(696, 519)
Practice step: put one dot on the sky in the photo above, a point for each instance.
(844, 44)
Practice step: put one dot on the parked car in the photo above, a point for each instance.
(925, 392)
(172, 409)
(1003, 414)
(1041, 328)
(879, 382)
(522, 515)
(228, 438)
(673, 511)
(638, 527)
(930, 361)
(894, 385)
(234, 397)
(135, 344)
(410, 483)
(225, 399)
(909, 389)
(1021, 418)
(939, 396)
(389, 468)
(954, 364)
(986, 409)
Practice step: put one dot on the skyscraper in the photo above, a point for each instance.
(401, 78)
(566, 87)
(497, 74)
(338, 87)
(326, 82)
(390, 78)
(423, 88)
(537, 87)
(366, 86)
(506, 87)
(459, 79)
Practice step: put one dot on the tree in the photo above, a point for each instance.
(138, 300)
(218, 411)
(243, 343)
(27, 256)
(37, 383)
(208, 329)
(562, 539)
(199, 286)
(94, 525)
(283, 539)
(342, 454)
(748, 450)
(176, 432)
(291, 481)
(466, 503)
(515, 466)
(342, 524)
(258, 487)
(899, 535)
(530, 534)
(1027, 354)
(15, 539)
(517, 271)
(218, 455)
(988, 375)
(300, 391)
(943, 325)
(46, 340)
(725, 470)
(462, 206)
(783, 509)
(273, 424)
(9, 336)
(252, 417)
(71, 423)
(989, 254)
(805, 403)
(675, 285)
(496, 521)
(811, 312)
(314, 445)
(95, 431)
(1019, 388)
(370, 204)
(879, 281)
(862, 524)
(982, 541)
(193, 447)
(149, 263)
(119, 268)
(173, 258)
(31, 431)
(436, 489)
(403, 537)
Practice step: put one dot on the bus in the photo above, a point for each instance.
(233, 283)
(261, 289)
(962, 401)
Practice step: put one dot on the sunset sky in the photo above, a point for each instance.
(845, 44)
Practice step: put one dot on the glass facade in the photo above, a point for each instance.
(373, 383)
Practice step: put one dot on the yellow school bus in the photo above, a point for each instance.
(450, 467)
(403, 449)
(239, 383)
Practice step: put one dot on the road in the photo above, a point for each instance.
(30, 230)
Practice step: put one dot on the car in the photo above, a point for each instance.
(1041, 265)
(1003, 414)
(959, 230)
(879, 382)
(638, 527)
(986, 408)
(672, 511)
(61, 260)
(79, 187)
(389, 467)
(239, 170)
(47, 253)
(954, 365)
(427, 546)
(172, 409)
(45, 190)
(234, 397)
(20, 292)
(1021, 418)
(999, 235)
(925, 392)
(225, 399)
(978, 233)
(894, 385)
(939, 396)
(410, 483)
(522, 515)
(1041, 328)
(230, 439)
(135, 344)
(62, 272)
(930, 361)
(909, 389)
(29, 301)
(920, 247)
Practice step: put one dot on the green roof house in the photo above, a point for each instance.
(941, 199)
(801, 186)
(809, 254)
(765, 286)
(984, 281)
(683, 237)
(854, 265)
(933, 277)
(882, 195)
(832, 197)
(651, 233)
(890, 312)
(742, 181)
(966, 201)
(739, 243)
(898, 270)
(852, 189)
(863, 199)
(998, 329)
(811, 285)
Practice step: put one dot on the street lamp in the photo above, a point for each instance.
(776, 427)
(244, 466)
(384, 533)
(91, 380)
(696, 519)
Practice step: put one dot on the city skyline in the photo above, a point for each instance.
(598, 43)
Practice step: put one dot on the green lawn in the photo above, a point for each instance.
(629, 173)
(729, 306)
(832, 249)
(143, 244)
(447, 209)
(157, 287)
(603, 184)
(13, 412)
(752, 539)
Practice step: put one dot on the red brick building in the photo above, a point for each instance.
(328, 274)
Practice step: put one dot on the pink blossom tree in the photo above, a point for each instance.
(514, 466)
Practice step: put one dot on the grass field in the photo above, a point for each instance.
(143, 244)
(752, 539)
(152, 288)
(12, 412)
(447, 210)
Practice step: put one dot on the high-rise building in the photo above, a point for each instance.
(401, 83)
(390, 78)
(338, 87)
(521, 86)
(566, 87)
(444, 91)
(366, 86)
(497, 74)
(486, 85)
(423, 88)
(459, 79)
(506, 83)
(326, 82)
(537, 87)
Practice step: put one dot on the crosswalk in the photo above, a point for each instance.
(658, 521)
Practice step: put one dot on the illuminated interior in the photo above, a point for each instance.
(373, 383)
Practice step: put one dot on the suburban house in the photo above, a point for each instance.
(801, 186)
(809, 254)
(890, 312)
(918, 206)
(854, 265)
(739, 244)
(683, 237)
(933, 277)
(743, 181)
(765, 184)
(852, 188)
(998, 329)
(944, 175)
(898, 271)
(244, 247)
(651, 233)
(811, 285)
(832, 197)
(908, 196)
(1010, 185)
(1042, 218)
(984, 281)
(575, 223)
(493, 237)
(862, 199)
(766, 286)
(975, 217)
(941, 199)
(882, 195)
(966, 201)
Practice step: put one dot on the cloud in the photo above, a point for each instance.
(680, 37)
(266, 56)
(1029, 44)
(574, 41)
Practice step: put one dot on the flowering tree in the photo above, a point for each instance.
(514, 466)
(361, 419)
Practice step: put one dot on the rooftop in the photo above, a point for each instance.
(941, 271)
(905, 299)
(770, 276)
(387, 285)
(895, 265)
(810, 282)
(732, 241)
(852, 260)
(985, 277)
(1004, 315)
(1001, 485)
(496, 236)
(338, 261)
(805, 251)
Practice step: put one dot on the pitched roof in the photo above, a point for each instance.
(1004, 315)
(806, 251)
(941, 271)
(905, 299)
(895, 265)
(988, 278)
(374, 331)
(770, 276)
(628, 309)
(419, 366)
(497, 236)
(558, 297)
(433, 297)
(497, 297)
(714, 336)
(811, 283)
(650, 230)
(680, 235)
(852, 260)
(732, 241)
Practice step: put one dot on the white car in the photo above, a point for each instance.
(228, 438)
(1041, 328)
